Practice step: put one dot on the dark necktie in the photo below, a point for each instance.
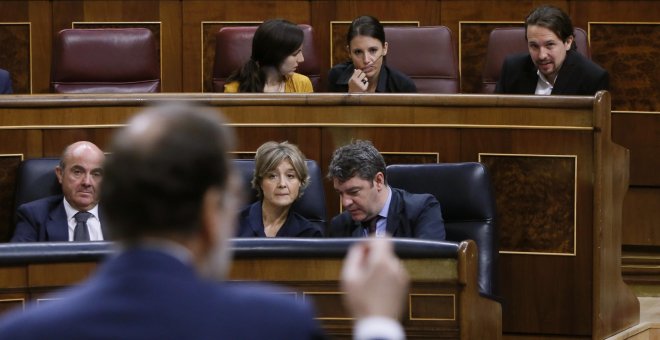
(81, 233)
(371, 225)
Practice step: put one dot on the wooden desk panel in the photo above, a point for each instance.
(443, 300)
(578, 293)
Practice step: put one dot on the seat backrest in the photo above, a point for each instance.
(505, 41)
(233, 48)
(311, 205)
(109, 60)
(433, 68)
(468, 207)
(36, 179)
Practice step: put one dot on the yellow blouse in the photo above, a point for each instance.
(296, 83)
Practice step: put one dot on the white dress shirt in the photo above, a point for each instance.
(543, 86)
(93, 223)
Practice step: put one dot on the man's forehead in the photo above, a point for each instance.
(353, 182)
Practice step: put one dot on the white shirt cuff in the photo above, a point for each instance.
(378, 327)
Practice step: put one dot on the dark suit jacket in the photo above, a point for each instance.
(389, 79)
(577, 76)
(147, 294)
(409, 215)
(45, 220)
(251, 224)
(5, 82)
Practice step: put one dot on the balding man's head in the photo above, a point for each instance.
(80, 173)
(161, 166)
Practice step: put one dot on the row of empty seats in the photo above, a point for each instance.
(126, 60)
(463, 190)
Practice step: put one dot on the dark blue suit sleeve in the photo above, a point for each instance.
(429, 224)
(602, 83)
(5, 82)
(27, 229)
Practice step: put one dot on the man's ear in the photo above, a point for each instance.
(380, 180)
(59, 172)
(569, 42)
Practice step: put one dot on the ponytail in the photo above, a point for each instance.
(249, 77)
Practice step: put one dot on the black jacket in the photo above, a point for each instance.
(409, 215)
(577, 76)
(389, 80)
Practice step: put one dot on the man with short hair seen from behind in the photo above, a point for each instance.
(171, 196)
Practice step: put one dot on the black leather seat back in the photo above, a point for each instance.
(311, 205)
(36, 179)
(468, 207)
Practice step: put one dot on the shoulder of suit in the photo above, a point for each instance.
(591, 68)
(413, 202)
(46, 201)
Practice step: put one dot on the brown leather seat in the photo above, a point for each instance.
(233, 47)
(425, 54)
(112, 60)
(511, 40)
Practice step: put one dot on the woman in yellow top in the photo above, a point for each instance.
(276, 53)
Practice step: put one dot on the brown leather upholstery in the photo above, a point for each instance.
(425, 54)
(105, 61)
(511, 40)
(233, 47)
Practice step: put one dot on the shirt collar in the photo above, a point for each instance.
(543, 86)
(386, 206)
(71, 211)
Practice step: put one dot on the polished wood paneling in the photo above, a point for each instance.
(640, 133)
(9, 302)
(58, 274)
(641, 216)
(535, 196)
(554, 295)
(308, 139)
(55, 140)
(454, 12)
(16, 54)
(584, 11)
(629, 52)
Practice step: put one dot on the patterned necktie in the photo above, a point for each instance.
(81, 233)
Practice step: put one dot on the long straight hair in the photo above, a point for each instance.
(274, 41)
